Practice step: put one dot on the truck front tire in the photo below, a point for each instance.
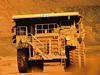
(67, 61)
(22, 60)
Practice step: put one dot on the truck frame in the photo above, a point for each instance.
(51, 37)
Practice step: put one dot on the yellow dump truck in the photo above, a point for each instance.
(51, 37)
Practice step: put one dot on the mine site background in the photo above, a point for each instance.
(89, 9)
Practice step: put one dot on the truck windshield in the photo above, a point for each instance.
(21, 30)
(45, 28)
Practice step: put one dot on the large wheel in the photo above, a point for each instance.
(67, 61)
(75, 58)
(22, 60)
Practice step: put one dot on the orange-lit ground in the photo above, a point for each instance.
(8, 66)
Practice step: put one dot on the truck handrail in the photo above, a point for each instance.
(36, 39)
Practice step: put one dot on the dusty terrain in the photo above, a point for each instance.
(8, 66)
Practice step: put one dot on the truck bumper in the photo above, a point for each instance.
(48, 57)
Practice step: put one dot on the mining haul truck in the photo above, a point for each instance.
(51, 37)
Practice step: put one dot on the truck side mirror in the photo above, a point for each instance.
(13, 29)
(14, 39)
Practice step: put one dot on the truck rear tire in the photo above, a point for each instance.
(22, 60)
(38, 65)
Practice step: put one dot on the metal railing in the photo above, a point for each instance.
(39, 50)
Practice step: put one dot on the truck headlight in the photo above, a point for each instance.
(67, 38)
